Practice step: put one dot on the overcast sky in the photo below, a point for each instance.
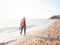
(36, 9)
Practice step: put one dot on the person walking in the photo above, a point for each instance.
(23, 26)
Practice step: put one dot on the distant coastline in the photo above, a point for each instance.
(55, 17)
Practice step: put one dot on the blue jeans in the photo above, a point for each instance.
(22, 30)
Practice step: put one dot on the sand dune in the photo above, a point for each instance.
(48, 36)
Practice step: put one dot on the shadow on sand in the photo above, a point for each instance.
(4, 43)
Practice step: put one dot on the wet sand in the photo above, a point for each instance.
(50, 35)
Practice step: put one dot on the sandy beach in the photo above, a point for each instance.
(50, 35)
(46, 35)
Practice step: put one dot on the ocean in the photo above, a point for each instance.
(9, 29)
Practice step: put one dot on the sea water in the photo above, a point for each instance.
(9, 29)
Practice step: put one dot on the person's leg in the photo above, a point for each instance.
(21, 30)
(24, 31)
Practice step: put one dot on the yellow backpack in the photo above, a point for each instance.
(22, 23)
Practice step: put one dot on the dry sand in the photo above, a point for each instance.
(49, 36)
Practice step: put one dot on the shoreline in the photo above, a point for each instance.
(32, 33)
(32, 29)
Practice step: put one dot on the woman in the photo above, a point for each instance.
(23, 25)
